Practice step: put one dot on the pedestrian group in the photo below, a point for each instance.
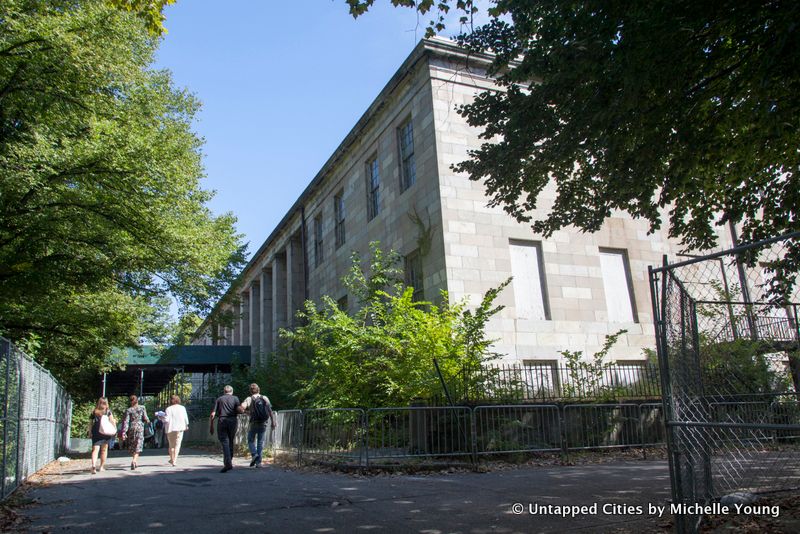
(103, 427)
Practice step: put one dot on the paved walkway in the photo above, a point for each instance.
(196, 497)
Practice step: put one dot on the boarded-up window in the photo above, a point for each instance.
(617, 286)
(527, 267)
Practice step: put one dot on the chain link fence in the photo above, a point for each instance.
(35, 417)
(728, 342)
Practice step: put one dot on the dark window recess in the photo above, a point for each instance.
(338, 218)
(413, 272)
(373, 189)
(318, 250)
(408, 165)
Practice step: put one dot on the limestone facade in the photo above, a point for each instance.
(474, 247)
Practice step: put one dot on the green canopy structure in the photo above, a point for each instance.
(148, 369)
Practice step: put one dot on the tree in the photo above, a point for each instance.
(151, 12)
(382, 354)
(102, 218)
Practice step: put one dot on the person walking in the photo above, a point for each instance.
(102, 429)
(225, 410)
(176, 422)
(133, 429)
(258, 407)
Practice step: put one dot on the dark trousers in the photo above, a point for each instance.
(226, 432)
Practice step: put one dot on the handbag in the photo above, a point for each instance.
(107, 428)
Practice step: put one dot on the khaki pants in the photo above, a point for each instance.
(175, 439)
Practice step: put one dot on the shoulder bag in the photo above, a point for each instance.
(107, 428)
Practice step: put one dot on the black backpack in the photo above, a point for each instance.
(260, 411)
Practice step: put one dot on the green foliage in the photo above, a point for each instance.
(738, 368)
(587, 378)
(150, 11)
(382, 354)
(440, 7)
(102, 218)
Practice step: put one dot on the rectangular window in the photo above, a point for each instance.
(413, 272)
(318, 251)
(408, 166)
(617, 286)
(530, 288)
(373, 188)
(338, 216)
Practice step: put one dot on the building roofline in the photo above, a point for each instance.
(424, 48)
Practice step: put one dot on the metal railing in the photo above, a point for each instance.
(35, 417)
(391, 436)
(547, 382)
(433, 432)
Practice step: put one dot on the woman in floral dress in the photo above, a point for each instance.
(133, 428)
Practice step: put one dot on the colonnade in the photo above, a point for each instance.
(268, 301)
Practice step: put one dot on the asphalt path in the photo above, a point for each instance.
(195, 497)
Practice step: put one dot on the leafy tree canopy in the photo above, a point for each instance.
(102, 218)
(149, 11)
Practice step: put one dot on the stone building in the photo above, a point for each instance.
(568, 292)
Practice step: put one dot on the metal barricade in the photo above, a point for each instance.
(418, 432)
(288, 430)
(601, 426)
(333, 435)
(517, 428)
(651, 425)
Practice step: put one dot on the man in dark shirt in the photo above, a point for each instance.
(225, 410)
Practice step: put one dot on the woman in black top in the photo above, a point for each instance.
(100, 441)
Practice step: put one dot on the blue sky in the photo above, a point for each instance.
(281, 85)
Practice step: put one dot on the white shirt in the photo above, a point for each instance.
(176, 420)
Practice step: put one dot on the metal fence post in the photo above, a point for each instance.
(302, 437)
(20, 433)
(562, 429)
(474, 437)
(366, 439)
(641, 431)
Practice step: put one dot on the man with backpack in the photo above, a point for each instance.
(258, 407)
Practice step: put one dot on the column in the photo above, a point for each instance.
(255, 322)
(267, 344)
(236, 334)
(244, 318)
(278, 296)
(295, 282)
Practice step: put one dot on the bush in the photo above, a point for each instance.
(383, 353)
